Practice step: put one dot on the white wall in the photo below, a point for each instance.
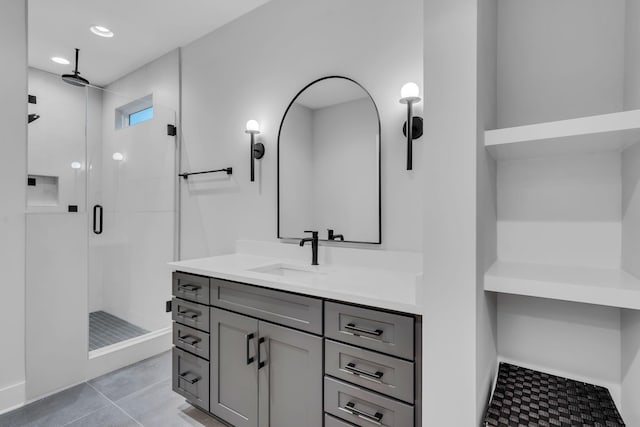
(296, 172)
(449, 188)
(563, 210)
(631, 263)
(57, 316)
(559, 59)
(632, 58)
(579, 340)
(486, 225)
(251, 69)
(13, 170)
(630, 324)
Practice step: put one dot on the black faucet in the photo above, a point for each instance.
(333, 236)
(314, 246)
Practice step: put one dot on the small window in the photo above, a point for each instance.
(134, 112)
(140, 116)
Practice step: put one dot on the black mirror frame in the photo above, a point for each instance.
(379, 163)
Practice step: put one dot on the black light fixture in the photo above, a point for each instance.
(257, 148)
(410, 94)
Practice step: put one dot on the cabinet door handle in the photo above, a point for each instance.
(353, 327)
(261, 363)
(190, 314)
(249, 337)
(374, 376)
(189, 340)
(375, 418)
(189, 289)
(190, 378)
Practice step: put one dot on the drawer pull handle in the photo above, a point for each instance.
(375, 418)
(190, 378)
(353, 327)
(249, 337)
(376, 376)
(261, 363)
(189, 314)
(189, 289)
(189, 340)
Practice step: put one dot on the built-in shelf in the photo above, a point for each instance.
(602, 286)
(606, 132)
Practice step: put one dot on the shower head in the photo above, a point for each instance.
(75, 79)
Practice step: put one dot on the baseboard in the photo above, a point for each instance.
(12, 397)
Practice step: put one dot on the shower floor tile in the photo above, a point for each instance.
(106, 329)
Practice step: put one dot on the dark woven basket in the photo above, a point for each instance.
(528, 398)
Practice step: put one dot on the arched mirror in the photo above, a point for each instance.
(329, 163)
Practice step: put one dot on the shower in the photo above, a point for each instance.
(75, 79)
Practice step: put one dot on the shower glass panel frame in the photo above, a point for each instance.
(105, 197)
(131, 206)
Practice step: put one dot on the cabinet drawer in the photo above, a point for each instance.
(331, 421)
(364, 408)
(191, 287)
(375, 371)
(295, 311)
(190, 314)
(373, 329)
(191, 378)
(191, 340)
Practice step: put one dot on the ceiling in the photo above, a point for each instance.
(144, 30)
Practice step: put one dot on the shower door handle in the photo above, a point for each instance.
(97, 224)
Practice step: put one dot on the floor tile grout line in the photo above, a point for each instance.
(116, 405)
(92, 412)
(143, 389)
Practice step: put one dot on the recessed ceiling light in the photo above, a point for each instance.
(59, 60)
(101, 31)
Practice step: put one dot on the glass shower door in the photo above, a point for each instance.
(131, 205)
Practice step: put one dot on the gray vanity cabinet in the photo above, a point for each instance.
(258, 357)
(290, 387)
(234, 368)
(264, 375)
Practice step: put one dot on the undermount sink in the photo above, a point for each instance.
(288, 270)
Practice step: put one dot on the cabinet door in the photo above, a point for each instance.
(234, 376)
(290, 376)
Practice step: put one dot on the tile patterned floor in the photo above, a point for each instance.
(137, 395)
(106, 329)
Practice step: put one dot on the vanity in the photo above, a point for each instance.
(266, 336)
(262, 341)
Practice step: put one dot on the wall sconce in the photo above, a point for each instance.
(410, 94)
(257, 148)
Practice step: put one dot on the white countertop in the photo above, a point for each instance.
(376, 287)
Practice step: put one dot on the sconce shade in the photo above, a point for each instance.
(253, 127)
(410, 92)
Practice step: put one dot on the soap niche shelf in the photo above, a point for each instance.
(42, 190)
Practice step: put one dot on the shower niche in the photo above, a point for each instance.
(42, 190)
